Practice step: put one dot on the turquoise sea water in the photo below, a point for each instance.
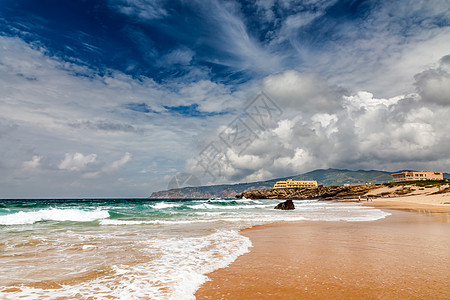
(135, 248)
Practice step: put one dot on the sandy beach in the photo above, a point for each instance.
(405, 255)
(422, 200)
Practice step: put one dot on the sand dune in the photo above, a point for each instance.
(419, 199)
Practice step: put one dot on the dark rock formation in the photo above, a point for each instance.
(322, 193)
(286, 205)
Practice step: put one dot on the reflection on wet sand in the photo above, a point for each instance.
(405, 255)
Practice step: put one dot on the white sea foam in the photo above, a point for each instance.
(201, 206)
(197, 256)
(251, 206)
(211, 213)
(52, 214)
(176, 274)
(155, 222)
(88, 247)
(228, 207)
(163, 205)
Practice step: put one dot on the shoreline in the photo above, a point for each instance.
(403, 255)
(438, 212)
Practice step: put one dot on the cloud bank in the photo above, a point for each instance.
(356, 131)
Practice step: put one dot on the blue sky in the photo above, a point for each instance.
(113, 98)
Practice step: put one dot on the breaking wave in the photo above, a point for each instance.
(52, 214)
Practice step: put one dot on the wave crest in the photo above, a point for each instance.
(52, 214)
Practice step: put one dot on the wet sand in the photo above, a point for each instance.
(405, 256)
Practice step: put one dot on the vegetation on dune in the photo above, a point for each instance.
(421, 183)
(443, 191)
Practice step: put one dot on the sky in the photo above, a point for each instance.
(121, 98)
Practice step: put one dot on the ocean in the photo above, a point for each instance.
(135, 248)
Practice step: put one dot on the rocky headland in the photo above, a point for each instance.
(321, 193)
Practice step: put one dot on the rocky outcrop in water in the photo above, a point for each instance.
(286, 205)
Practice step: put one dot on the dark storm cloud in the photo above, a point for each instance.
(434, 85)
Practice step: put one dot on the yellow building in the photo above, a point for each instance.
(288, 184)
(409, 176)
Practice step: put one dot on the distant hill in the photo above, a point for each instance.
(334, 177)
(328, 177)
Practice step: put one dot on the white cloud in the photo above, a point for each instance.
(181, 56)
(305, 92)
(113, 166)
(240, 50)
(367, 101)
(210, 96)
(120, 163)
(150, 168)
(34, 163)
(325, 120)
(77, 161)
(284, 129)
(140, 9)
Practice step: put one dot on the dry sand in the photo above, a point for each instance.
(420, 200)
(404, 256)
